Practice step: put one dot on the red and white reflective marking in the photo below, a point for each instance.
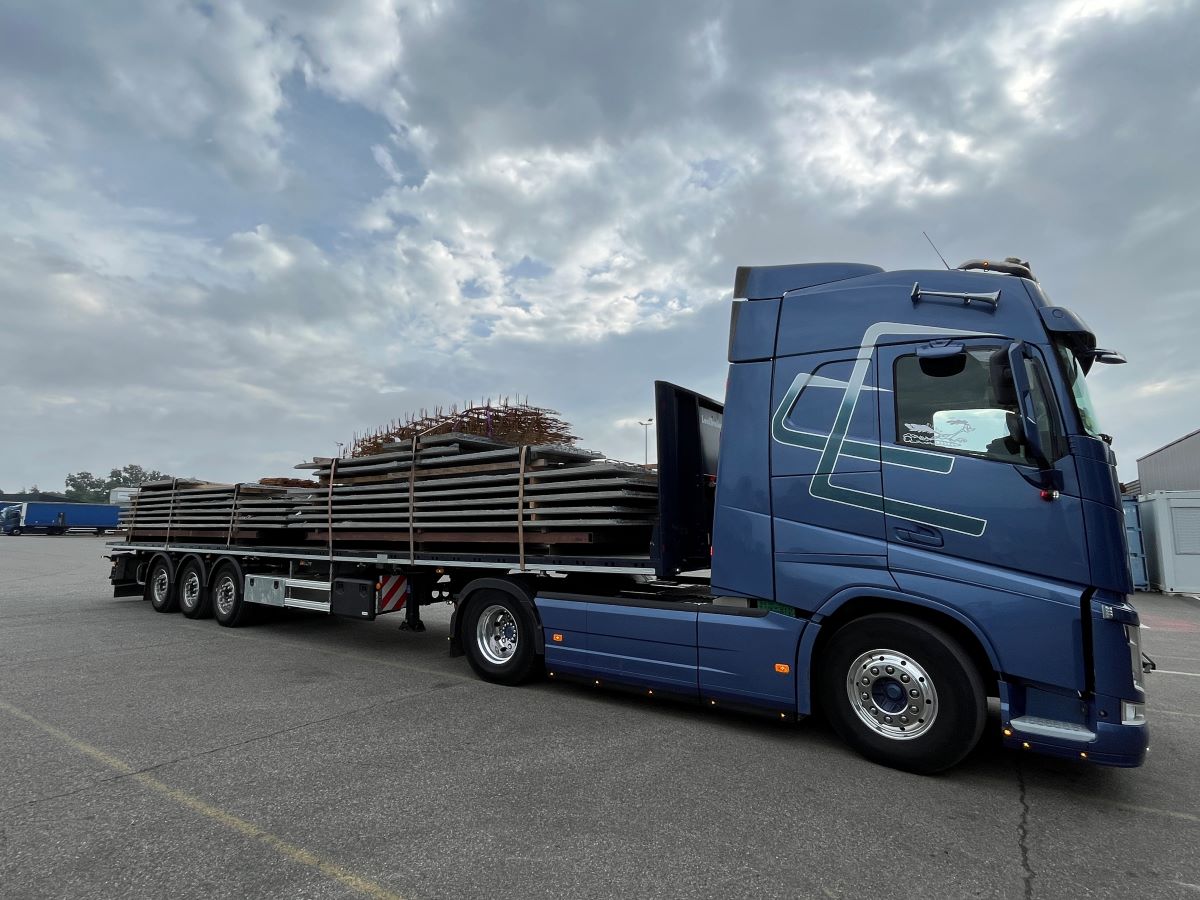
(393, 594)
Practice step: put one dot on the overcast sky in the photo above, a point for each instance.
(233, 233)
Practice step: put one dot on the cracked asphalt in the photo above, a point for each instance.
(147, 755)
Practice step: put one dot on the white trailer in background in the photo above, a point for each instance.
(1171, 528)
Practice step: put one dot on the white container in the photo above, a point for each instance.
(1171, 530)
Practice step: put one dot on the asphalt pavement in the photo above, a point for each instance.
(148, 755)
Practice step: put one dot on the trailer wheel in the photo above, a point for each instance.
(194, 599)
(15, 531)
(902, 692)
(160, 588)
(228, 606)
(498, 638)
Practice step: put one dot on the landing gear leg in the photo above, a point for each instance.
(412, 616)
(417, 588)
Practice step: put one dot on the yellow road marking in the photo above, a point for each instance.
(229, 820)
(1153, 811)
(1174, 712)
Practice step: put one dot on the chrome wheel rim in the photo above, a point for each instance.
(497, 635)
(892, 694)
(189, 596)
(160, 586)
(224, 595)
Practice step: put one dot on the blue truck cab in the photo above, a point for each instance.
(909, 507)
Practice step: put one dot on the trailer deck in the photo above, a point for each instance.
(614, 565)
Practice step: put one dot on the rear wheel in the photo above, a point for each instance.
(160, 587)
(228, 606)
(194, 600)
(498, 638)
(902, 692)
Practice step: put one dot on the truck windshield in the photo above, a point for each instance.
(1079, 389)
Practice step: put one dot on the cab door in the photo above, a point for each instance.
(967, 502)
(826, 488)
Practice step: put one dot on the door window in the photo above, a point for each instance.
(965, 403)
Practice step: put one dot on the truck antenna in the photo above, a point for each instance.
(936, 250)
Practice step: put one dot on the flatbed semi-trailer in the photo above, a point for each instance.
(904, 506)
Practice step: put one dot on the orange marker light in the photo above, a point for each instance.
(556, 637)
(783, 668)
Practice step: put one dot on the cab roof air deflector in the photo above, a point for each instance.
(772, 282)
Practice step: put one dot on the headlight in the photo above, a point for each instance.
(1133, 634)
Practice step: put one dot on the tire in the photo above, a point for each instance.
(497, 636)
(160, 588)
(228, 606)
(195, 602)
(876, 670)
(16, 532)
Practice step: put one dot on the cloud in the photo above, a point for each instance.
(232, 233)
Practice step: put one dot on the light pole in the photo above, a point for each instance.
(340, 445)
(646, 433)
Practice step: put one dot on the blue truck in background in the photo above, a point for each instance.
(904, 506)
(58, 518)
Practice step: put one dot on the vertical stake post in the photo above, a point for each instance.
(329, 514)
(170, 513)
(412, 499)
(233, 514)
(521, 507)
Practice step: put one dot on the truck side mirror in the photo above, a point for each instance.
(1031, 435)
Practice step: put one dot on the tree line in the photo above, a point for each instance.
(84, 487)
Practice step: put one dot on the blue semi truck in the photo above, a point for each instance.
(903, 507)
(58, 518)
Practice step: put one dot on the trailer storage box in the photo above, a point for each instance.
(1171, 529)
(353, 597)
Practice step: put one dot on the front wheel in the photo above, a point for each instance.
(498, 638)
(902, 692)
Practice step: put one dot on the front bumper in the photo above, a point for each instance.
(1112, 745)
(1110, 731)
